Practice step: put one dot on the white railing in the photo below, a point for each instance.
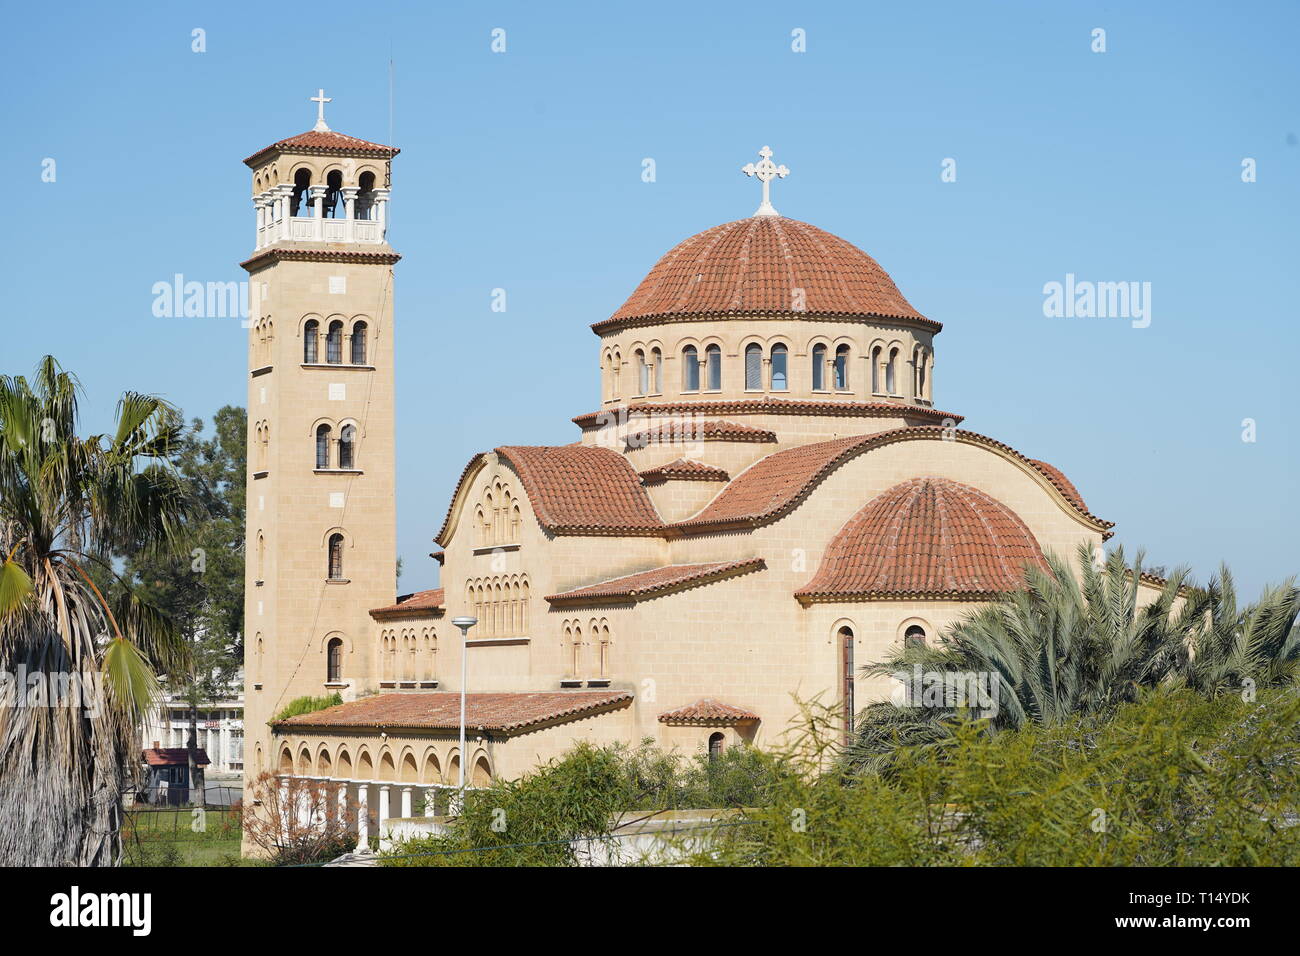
(312, 229)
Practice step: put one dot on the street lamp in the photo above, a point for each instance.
(464, 623)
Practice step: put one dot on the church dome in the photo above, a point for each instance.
(753, 266)
(927, 536)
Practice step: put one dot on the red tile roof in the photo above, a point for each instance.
(277, 254)
(682, 431)
(576, 489)
(656, 582)
(683, 469)
(1062, 483)
(774, 486)
(327, 143)
(420, 602)
(173, 756)
(753, 266)
(709, 712)
(926, 537)
(766, 406)
(507, 713)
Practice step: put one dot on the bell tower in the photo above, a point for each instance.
(321, 524)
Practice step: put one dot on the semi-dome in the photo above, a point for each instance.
(927, 536)
(765, 265)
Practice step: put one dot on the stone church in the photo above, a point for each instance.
(762, 498)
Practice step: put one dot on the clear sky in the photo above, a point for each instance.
(522, 170)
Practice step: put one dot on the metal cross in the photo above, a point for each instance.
(766, 171)
(320, 99)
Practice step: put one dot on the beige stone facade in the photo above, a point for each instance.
(661, 560)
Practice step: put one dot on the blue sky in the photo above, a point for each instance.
(522, 171)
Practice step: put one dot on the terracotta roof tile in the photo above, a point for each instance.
(582, 489)
(775, 485)
(656, 582)
(609, 417)
(682, 431)
(326, 142)
(929, 537)
(683, 469)
(441, 711)
(416, 603)
(753, 266)
(1064, 484)
(173, 756)
(708, 712)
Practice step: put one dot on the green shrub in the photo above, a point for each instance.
(307, 705)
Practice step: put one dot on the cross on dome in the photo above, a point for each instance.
(765, 170)
(320, 99)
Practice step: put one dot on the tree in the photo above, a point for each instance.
(201, 584)
(66, 504)
(1068, 645)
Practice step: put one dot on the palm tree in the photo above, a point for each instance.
(66, 506)
(1071, 644)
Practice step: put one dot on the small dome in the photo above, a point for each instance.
(927, 536)
(754, 265)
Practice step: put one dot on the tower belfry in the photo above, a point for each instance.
(321, 523)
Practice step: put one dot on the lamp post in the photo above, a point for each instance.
(464, 623)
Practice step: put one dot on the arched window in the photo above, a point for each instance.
(322, 446)
(359, 344)
(753, 367)
(890, 366)
(713, 362)
(780, 380)
(716, 744)
(819, 367)
(334, 660)
(347, 446)
(690, 369)
(334, 343)
(875, 370)
(657, 359)
(914, 636)
(642, 374)
(310, 345)
(333, 195)
(301, 183)
(842, 367)
(336, 557)
(366, 196)
(846, 677)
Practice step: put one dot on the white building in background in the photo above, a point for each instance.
(220, 727)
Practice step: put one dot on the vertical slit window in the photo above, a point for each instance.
(780, 362)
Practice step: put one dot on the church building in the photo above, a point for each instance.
(762, 497)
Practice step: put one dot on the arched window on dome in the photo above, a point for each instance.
(875, 370)
(690, 369)
(359, 344)
(657, 360)
(842, 368)
(334, 343)
(347, 446)
(819, 368)
(310, 342)
(713, 365)
(322, 446)
(642, 374)
(891, 375)
(780, 370)
(753, 367)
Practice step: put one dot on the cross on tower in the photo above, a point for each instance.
(320, 99)
(765, 170)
